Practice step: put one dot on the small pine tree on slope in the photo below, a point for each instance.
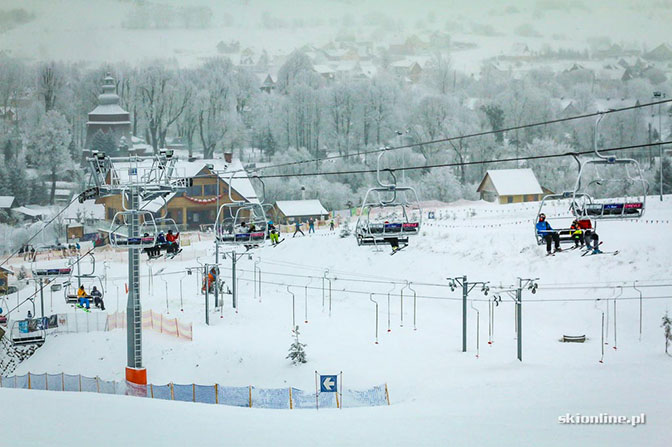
(296, 352)
(667, 327)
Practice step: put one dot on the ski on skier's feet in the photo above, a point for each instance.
(398, 249)
(278, 243)
(592, 253)
(172, 255)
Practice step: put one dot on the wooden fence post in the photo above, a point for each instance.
(29, 380)
(172, 392)
(250, 392)
(216, 395)
(193, 391)
(291, 405)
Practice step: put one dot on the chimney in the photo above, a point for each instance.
(228, 157)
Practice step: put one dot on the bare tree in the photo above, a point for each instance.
(164, 99)
(50, 81)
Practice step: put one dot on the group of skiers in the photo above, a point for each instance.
(170, 241)
(581, 233)
(84, 299)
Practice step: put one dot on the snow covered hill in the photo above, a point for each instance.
(439, 395)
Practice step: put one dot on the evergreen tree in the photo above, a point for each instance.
(18, 180)
(104, 142)
(296, 352)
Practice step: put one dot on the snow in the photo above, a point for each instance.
(297, 208)
(439, 395)
(6, 201)
(511, 182)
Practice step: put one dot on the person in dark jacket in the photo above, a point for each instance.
(297, 228)
(97, 298)
(548, 234)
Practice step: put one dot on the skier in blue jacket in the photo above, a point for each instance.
(547, 233)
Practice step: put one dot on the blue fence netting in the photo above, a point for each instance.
(271, 398)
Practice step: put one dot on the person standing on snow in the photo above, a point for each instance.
(297, 228)
(547, 233)
(311, 226)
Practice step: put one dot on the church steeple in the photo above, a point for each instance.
(108, 117)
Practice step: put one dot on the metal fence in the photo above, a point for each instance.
(246, 396)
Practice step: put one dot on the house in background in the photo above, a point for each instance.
(6, 204)
(196, 208)
(289, 211)
(510, 186)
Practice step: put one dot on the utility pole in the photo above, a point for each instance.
(467, 287)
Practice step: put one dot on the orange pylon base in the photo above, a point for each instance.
(136, 375)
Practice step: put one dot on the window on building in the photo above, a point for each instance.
(210, 190)
(509, 199)
(195, 190)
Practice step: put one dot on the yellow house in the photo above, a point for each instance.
(510, 186)
(196, 208)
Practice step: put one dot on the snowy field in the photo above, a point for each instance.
(439, 395)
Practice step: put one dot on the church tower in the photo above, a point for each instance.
(109, 126)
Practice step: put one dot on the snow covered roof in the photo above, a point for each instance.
(6, 201)
(297, 208)
(28, 211)
(512, 182)
(240, 183)
(153, 206)
(88, 209)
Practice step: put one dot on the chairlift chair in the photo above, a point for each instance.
(70, 288)
(396, 216)
(624, 171)
(228, 223)
(562, 223)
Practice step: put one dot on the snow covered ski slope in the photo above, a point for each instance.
(439, 395)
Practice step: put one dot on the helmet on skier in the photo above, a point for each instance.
(542, 216)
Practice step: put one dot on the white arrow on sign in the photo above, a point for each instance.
(328, 383)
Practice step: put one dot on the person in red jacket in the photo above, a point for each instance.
(173, 240)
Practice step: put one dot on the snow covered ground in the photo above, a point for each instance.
(439, 395)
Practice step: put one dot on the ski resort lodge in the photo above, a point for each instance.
(196, 208)
(510, 186)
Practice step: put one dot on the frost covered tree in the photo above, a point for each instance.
(667, 177)
(667, 327)
(296, 352)
(49, 148)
